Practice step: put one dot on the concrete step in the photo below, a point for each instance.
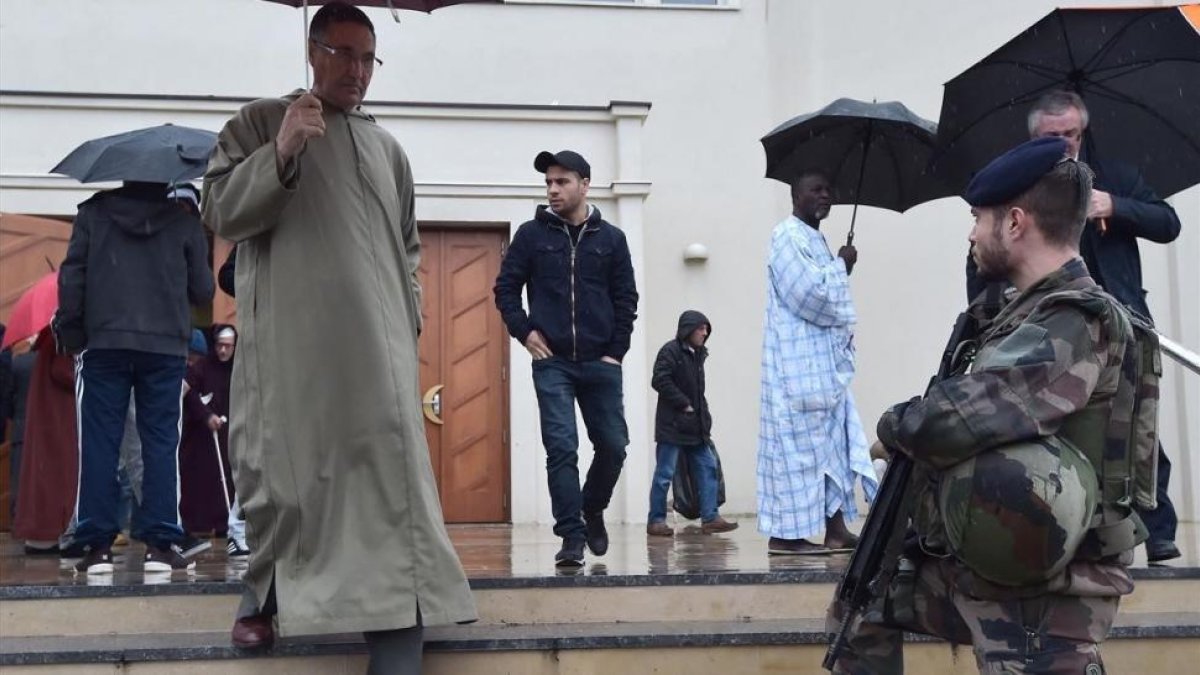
(1147, 642)
(32, 611)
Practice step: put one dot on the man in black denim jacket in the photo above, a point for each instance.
(578, 273)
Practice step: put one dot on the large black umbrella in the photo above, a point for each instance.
(162, 154)
(417, 5)
(1137, 70)
(394, 5)
(875, 153)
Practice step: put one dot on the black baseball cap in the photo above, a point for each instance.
(567, 159)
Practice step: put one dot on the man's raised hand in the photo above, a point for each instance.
(849, 256)
(302, 121)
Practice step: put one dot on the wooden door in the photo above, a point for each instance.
(464, 356)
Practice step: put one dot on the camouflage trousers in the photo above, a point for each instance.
(1045, 634)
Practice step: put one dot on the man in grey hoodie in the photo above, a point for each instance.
(137, 258)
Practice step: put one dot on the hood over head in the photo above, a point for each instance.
(141, 209)
(689, 321)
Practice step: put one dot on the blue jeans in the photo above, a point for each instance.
(105, 379)
(596, 385)
(704, 471)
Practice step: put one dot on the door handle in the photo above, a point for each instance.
(431, 404)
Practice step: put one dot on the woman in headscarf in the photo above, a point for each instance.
(205, 415)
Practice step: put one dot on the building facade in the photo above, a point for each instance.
(667, 99)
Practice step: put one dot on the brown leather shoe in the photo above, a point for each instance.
(659, 530)
(718, 524)
(253, 632)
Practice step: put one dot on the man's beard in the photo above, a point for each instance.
(992, 263)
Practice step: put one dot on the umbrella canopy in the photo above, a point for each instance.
(162, 154)
(416, 5)
(394, 5)
(874, 153)
(1137, 70)
(33, 310)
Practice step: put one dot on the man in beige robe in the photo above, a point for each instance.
(327, 439)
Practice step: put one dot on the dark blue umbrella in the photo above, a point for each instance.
(874, 153)
(163, 154)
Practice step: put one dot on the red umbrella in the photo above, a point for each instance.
(33, 310)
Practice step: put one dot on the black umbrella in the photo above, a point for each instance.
(163, 154)
(1137, 70)
(416, 5)
(875, 153)
(426, 6)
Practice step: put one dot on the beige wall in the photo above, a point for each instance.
(717, 79)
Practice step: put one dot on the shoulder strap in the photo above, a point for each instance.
(1116, 527)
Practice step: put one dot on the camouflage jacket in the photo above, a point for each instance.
(1041, 367)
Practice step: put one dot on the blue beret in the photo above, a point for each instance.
(198, 344)
(1011, 174)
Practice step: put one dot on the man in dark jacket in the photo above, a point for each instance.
(137, 258)
(1124, 208)
(582, 304)
(683, 423)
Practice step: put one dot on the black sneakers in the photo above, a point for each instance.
(597, 535)
(96, 561)
(236, 550)
(165, 560)
(37, 550)
(191, 546)
(571, 554)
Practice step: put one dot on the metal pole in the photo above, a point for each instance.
(862, 168)
(1186, 358)
(307, 82)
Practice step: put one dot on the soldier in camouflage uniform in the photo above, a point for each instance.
(1043, 370)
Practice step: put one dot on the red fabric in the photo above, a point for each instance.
(50, 463)
(33, 310)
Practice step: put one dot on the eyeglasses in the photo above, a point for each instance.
(347, 58)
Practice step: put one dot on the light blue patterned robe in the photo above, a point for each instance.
(811, 445)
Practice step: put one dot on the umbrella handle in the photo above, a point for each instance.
(304, 29)
(853, 217)
(862, 169)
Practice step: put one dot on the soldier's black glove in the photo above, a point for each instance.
(888, 428)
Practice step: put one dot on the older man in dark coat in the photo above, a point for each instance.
(1124, 208)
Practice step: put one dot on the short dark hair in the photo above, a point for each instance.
(337, 12)
(805, 173)
(1059, 202)
(1056, 103)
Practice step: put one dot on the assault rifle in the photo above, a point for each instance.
(877, 556)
